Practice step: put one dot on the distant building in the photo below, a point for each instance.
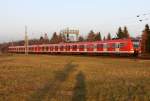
(71, 35)
(45, 36)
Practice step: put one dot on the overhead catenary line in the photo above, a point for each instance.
(143, 17)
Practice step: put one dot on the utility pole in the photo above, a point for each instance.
(26, 41)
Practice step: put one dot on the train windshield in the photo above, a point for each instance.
(136, 43)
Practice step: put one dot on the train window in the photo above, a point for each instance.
(122, 45)
(42, 48)
(113, 45)
(36, 49)
(117, 45)
(51, 48)
(99, 45)
(56, 47)
(87, 46)
(70, 46)
(74, 47)
(67, 47)
(95, 46)
(109, 45)
(90, 46)
(47, 48)
(61, 47)
(29, 48)
(81, 46)
(105, 45)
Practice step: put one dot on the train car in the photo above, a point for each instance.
(119, 46)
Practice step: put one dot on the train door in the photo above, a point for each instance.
(105, 47)
(95, 47)
(85, 47)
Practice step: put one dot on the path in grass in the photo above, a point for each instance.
(49, 90)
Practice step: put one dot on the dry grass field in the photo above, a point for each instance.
(73, 78)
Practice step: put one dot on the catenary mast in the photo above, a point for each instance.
(26, 41)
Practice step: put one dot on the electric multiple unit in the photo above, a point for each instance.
(119, 46)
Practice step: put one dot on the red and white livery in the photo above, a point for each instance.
(119, 46)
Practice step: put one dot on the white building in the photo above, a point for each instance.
(71, 35)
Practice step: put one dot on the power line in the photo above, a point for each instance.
(143, 17)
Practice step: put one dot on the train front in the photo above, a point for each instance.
(136, 46)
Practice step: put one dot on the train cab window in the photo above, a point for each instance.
(136, 43)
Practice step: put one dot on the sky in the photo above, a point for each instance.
(48, 16)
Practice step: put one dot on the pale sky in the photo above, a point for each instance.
(54, 15)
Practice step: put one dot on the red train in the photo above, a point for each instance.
(118, 46)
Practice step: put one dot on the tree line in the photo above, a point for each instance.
(92, 36)
(145, 44)
(60, 38)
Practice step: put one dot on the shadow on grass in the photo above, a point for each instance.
(80, 88)
(50, 89)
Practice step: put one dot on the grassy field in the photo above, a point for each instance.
(73, 78)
